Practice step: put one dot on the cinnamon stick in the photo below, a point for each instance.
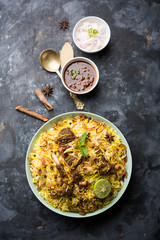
(42, 98)
(31, 113)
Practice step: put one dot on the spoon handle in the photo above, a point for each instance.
(79, 104)
(59, 74)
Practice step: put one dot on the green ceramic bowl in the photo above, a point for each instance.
(49, 125)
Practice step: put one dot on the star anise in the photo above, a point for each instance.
(64, 24)
(47, 90)
(109, 137)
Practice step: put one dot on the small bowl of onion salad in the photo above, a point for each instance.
(91, 34)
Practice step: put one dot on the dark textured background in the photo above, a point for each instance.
(128, 94)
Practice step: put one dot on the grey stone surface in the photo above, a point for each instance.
(128, 94)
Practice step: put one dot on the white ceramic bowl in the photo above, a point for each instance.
(92, 19)
(87, 60)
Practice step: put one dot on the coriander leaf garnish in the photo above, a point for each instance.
(84, 151)
(95, 31)
(74, 73)
(81, 146)
(92, 32)
(82, 139)
(78, 147)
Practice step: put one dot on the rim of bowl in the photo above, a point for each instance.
(62, 117)
(85, 60)
(107, 39)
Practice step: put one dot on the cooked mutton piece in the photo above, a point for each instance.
(77, 177)
(65, 136)
(61, 191)
(77, 162)
(70, 160)
(73, 162)
(101, 164)
(61, 170)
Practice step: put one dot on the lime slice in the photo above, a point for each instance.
(102, 188)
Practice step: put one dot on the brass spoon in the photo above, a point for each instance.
(50, 60)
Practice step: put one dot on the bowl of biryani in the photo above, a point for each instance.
(78, 164)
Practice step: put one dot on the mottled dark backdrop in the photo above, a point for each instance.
(128, 94)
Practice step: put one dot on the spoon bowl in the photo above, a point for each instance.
(50, 60)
